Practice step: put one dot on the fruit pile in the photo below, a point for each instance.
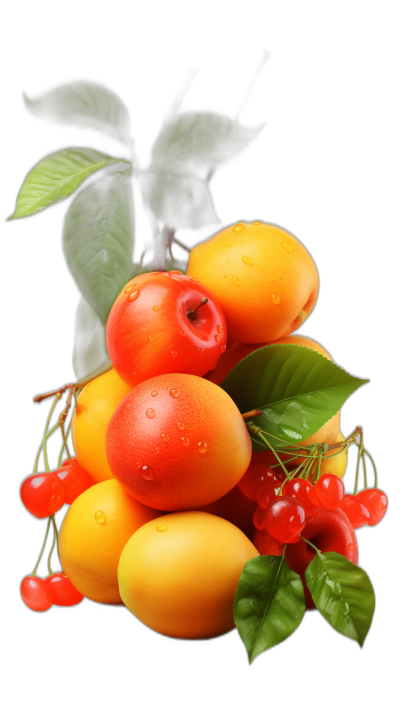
(207, 487)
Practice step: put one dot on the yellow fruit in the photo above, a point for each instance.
(96, 404)
(262, 276)
(94, 532)
(179, 573)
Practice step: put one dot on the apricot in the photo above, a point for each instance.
(177, 442)
(262, 276)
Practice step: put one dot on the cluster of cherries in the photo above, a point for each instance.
(283, 508)
(43, 495)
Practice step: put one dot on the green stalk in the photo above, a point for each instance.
(43, 547)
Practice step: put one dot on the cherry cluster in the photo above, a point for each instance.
(285, 504)
(45, 493)
(57, 589)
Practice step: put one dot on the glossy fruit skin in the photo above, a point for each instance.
(143, 342)
(178, 452)
(257, 476)
(268, 494)
(74, 480)
(357, 513)
(97, 403)
(181, 581)
(330, 491)
(36, 594)
(303, 491)
(328, 531)
(266, 544)
(285, 518)
(376, 502)
(42, 494)
(264, 279)
(63, 593)
(236, 508)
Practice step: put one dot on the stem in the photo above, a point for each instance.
(365, 470)
(253, 413)
(285, 471)
(357, 469)
(312, 544)
(374, 467)
(74, 386)
(264, 59)
(191, 313)
(65, 441)
(181, 245)
(52, 547)
(57, 426)
(43, 547)
(46, 463)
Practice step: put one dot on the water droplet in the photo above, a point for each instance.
(156, 308)
(227, 245)
(48, 203)
(217, 338)
(175, 272)
(150, 413)
(151, 338)
(302, 315)
(257, 223)
(154, 393)
(165, 437)
(100, 517)
(239, 227)
(181, 425)
(275, 299)
(161, 528)
(185, 441)
(246, 260)
(129, 288)
(219, 329)
(288, 247)
(194, 280)
(223, 348)
(182, 333)
(174, 354)
(351, 546)
(133, 296)
(65, 153)
(175, 393)
(147, 473)
(235, 281)
(201, 447)
(262, 268)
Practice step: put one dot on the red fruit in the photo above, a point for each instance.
(303, 491)
(236, 508)
(330, 491)
(268, 494)
(257, 476)
(328, 531)
(74, 479)
(154, 328)
(62, 591)
(36, 593)
(284, 519)
(357, 513)
(42, 494)
(266, 544)
(376, 502)
(259, 518)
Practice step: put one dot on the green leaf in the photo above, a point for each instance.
(195, 142)
(98, 240)
(296, 388)
(269, 603)
(178, 201)
(343, 594)
(85, 104)
(56, 177)
(90, 351)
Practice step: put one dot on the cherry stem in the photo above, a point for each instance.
(312, 544)
(35, 467)
(52, 547)
(43, 547)
(360, 450)
(65, 444)
(72, 386)
(373, 466)
(191, 313)
(46, 463)
(253, 413)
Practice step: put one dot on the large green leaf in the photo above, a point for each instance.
(90, 351)
(194, 142)
(86, 104)
(296, 388)
(178, 201)
(269, 603)
(56, 177)
(98, 240)
(343, 594)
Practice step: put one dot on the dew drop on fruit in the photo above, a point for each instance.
(181, 425)
(150, 413)
(133, 296)
(154, 393)
(219, 329)
(161, 528)
(239, 227)
(351, 546)
(202, 447)
(227, 245)
(156, 308)
(65, 153)
(165, 437)
(129, 288)
(182, 333)
(246, 260)
(185, 441)
(275, 299)
(257, 223)
(217, 338)
(235, 281)
(288, 247)
(175, 272)
(174, 354)
(223, 348)
(147, 473)
(100, 517)
(175, 393)
(194, 280)
(262, 268)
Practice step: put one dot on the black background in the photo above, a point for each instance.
(318, 170)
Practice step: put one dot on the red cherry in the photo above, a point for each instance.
(268, 494)
(300, 489)
(356, 512)
(376, 502)
(36, 593)
(284, 519)
(257, 476)
(330, 491)
(266, 544)
(74, 479)
(62, 590)
(42, 494)
(258, 518)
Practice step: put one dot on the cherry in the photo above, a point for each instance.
(74, 479)
(36, 594)
(285, 518)
(266, 544)
(376, 502)
(303, 491)
(330, 491)
(62, 590)
(268, 494)
(257, 476)
(356, 512)
(42, 494)
(258, 518)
